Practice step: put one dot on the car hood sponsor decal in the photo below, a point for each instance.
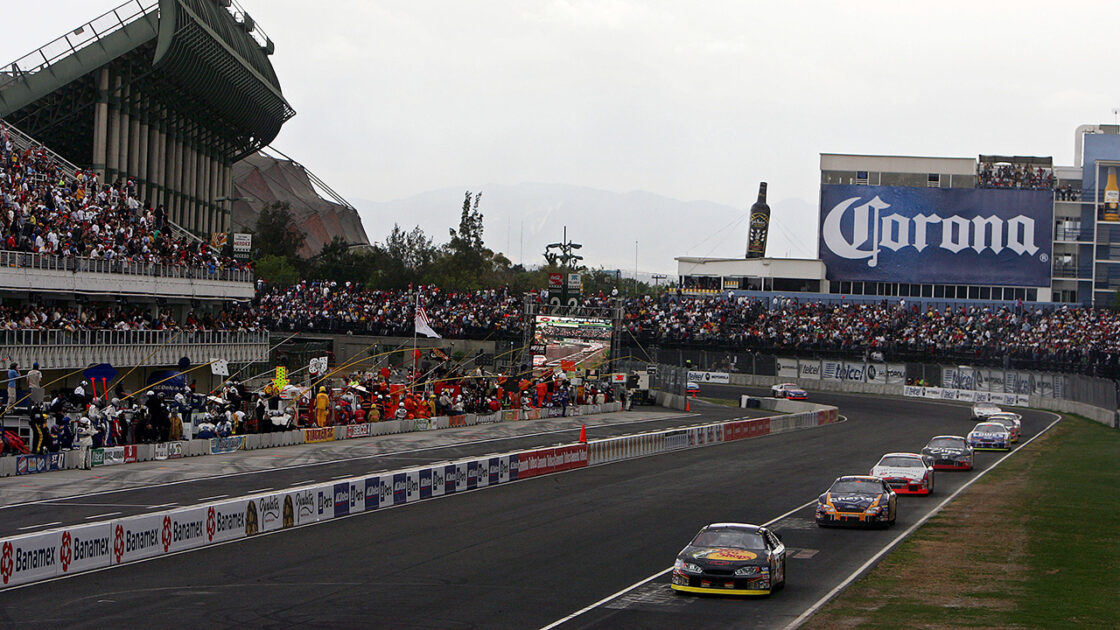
(722, 555)
(898, 472)
(853, 502)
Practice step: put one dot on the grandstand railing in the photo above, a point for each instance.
(89, 33)
(56, 338)
(50, 262)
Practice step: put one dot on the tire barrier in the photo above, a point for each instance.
(77, 548)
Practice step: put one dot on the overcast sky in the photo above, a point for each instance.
(696, 101)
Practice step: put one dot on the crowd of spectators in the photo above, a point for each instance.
(1021, 176)
(1063, 334)
(48, 211)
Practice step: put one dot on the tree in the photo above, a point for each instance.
(276, 232)
(405, 258)
(339, 261)
(276, 270)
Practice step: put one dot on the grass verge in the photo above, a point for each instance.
(1031, 545)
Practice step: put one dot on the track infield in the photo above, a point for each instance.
(1031, 545)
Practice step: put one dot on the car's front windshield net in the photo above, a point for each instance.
(731, 538)
(901, 462)
(856, 486)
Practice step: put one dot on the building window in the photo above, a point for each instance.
(933, 181)
(985, 293)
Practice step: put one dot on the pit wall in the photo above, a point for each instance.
(1106, 417)
(74, 549)
(63, 460)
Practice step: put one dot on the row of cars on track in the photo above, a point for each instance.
(742, 559)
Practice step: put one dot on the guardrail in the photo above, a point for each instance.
(78, 548)
(79, 264)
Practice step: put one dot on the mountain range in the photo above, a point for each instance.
(520, 220)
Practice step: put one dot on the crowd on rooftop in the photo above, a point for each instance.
(70, 215)
(1022, 176)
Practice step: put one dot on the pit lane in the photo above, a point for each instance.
(533, 552)
(33, 503)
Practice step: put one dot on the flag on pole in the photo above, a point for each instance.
(423, 326)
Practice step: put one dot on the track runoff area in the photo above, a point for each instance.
(589, 548)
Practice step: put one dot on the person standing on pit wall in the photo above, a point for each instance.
(85, 443)
(13, 379)
(322, 404)
(34, 384)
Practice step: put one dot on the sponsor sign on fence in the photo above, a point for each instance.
(31, 464)
(966, 395)
(709, 377)
(318, 434)
(221, 445)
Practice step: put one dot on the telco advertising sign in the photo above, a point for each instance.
(936, 235)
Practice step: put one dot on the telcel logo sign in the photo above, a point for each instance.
(872, 231)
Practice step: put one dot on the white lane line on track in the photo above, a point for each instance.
(337, 461)
(258, 490)
(216, 496)
(163, 505)
(801, 619)
(39, 525)
(303, 483)
(653, 577)
(90, 518)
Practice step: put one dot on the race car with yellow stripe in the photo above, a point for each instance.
(731, 559)
(859, 500)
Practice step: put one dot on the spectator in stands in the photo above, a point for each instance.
(34, 384)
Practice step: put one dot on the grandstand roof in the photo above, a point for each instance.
(203, 59)
(320, 213)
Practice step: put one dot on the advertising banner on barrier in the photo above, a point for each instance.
(160, 451)
(936, 235)
(709, 377)
(875, 373)
(302, 505)
(966, 395)
(439, 481)
(509, 415)
(137, 537)
(86, 547)
(29, 558)
(457, 421)
(226, 521)
(358, 430)
(896, 373)
(183, 529)
(785, 368)
(809, 370)
(109, 456)
(130, 454)
(742, 429)
(318, 434)
(223, 445)
(274, 512)
(550, 460)
(31, 464)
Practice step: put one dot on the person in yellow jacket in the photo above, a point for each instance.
(322, 404)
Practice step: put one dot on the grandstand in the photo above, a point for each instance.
(168, 92)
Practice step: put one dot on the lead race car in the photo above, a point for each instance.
(731, 559)
(990, 436)
(981, 410)
(790, 391)
(949, 452)
(860, 500)
(906, 473)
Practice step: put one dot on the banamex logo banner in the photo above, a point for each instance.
(936, 235)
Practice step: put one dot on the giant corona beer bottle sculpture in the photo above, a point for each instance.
(1111, 197)
(760, 225)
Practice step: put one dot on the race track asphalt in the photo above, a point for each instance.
(530, 553)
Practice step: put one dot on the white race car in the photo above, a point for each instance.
(906, 473)
(792, 391)
(981, 411)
